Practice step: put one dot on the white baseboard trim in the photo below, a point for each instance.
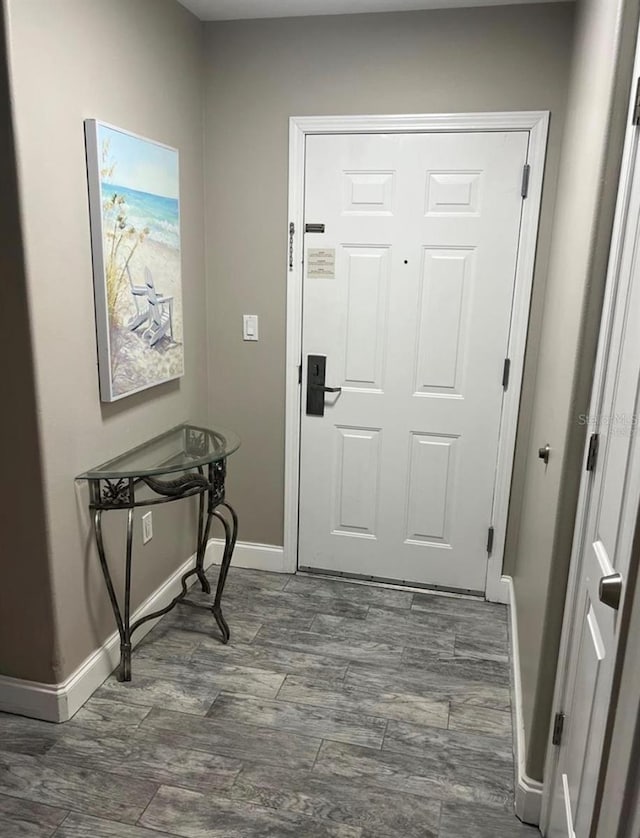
(528, 792)
(498, 591)
(59, 702)
(528, 800)
(31, 698)
(252, 556)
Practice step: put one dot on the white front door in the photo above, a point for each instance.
(408, 295)
(603, 549)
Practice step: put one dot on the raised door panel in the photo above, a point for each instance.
(431, 489)
(445, 293)
(453, 193)
(357, 469)
(366, 277)
(368, 193)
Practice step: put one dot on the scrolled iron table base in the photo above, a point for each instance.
(108, 494)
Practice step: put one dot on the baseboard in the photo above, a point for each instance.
(31, 698)
(498, 591)
(528, 792)
(59, 702)
(528, 799)
(252, 556)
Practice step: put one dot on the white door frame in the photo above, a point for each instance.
(537, 124)
(625, 182)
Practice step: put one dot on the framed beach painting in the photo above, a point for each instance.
(134, 204)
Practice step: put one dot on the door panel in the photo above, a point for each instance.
(452, 192)
(356, 492)
(367, 193)
(446, 278)
(397, 478)
(365, 327)
(430, 488)
(590, 654)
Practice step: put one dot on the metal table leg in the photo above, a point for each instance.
(230, 536)
(125, 647)
(123, 623)
(203, 538)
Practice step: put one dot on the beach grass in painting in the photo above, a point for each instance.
(135, 226)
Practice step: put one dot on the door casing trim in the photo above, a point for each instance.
(537, 124)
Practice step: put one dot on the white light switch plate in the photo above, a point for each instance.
(250, 327)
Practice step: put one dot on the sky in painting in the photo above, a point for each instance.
(141, 164)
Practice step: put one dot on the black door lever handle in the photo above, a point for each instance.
(316, 371)
(326, 389)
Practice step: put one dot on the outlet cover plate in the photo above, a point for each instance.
(147, 527)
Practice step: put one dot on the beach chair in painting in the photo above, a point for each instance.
(160, 312)
(139, 294)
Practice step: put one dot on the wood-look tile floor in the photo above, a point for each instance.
(338, 710)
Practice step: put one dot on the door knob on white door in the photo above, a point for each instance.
(610, 590)
(543, 453)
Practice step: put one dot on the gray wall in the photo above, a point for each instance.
(25, 592)
(597, 103)
(137, 65)
(258, 74)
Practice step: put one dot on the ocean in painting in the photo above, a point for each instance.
(160, 215)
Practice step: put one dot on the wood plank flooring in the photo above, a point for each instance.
(338, 710)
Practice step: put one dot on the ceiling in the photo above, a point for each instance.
(239, 9)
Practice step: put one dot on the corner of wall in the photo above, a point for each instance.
(528, 791)
(25, 593)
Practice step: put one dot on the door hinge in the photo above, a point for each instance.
(558, 724)
(592, 454)
(505, 373)
(635, 120)
(526, 171)
(292, 232)
(490, 535)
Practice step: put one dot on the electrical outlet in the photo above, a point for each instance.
(147, 527)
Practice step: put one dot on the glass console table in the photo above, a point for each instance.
(184, 462)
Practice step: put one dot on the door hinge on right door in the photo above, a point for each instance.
(592, 454)
(526, 171)
(635, 119)
(558, 724)
(490, 535)
(506, 369)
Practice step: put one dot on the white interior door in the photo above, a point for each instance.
(603, 549)
(408, 294)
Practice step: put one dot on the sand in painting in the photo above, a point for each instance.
(134, 364)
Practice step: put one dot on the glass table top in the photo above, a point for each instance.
(183, 448)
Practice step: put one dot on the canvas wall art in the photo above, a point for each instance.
(134, 205)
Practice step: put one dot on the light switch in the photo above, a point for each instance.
(250, 327)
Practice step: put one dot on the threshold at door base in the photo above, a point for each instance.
(365, 579)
